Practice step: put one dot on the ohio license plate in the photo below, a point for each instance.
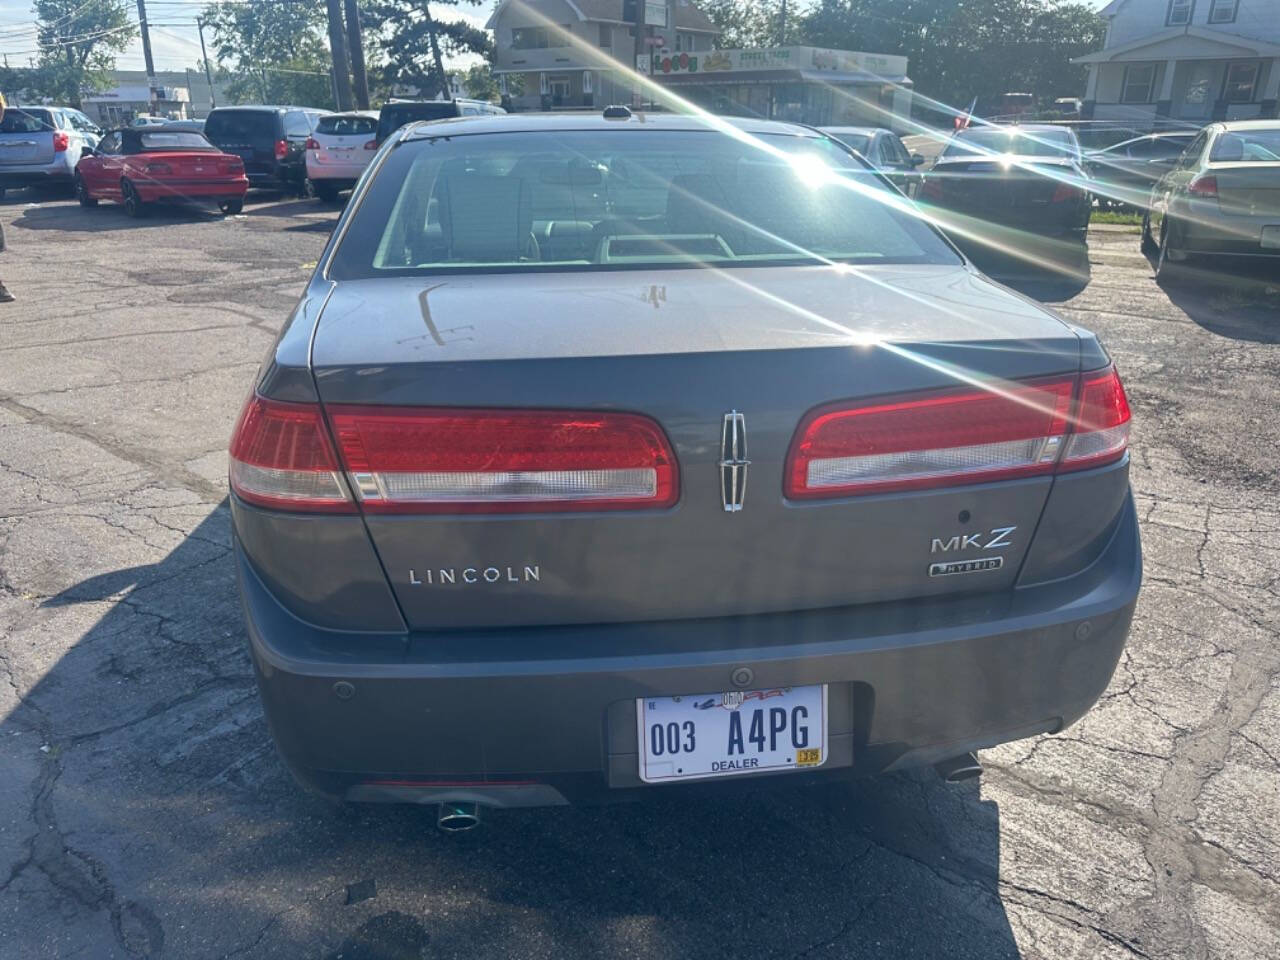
(723, 734)
(1271, 236)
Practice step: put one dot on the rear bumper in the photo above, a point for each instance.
(346, 173)
(24, 175)
(539, 716)
(192, 190)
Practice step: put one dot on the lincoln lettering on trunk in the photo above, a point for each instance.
(462, 576)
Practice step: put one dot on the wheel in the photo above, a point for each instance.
(1170, 258)
(231, 207)
(1148, 242)
(325, 191)
(82, 193)
(133, 204)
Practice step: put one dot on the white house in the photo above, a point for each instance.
(1185, 60)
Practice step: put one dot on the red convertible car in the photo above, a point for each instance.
(138, 166)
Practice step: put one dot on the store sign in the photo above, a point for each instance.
(780, 58)
(655, 14)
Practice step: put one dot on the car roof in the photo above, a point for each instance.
(863, 131)
(266, 108)
(352, 113)
(1235, 125)
(533, 122)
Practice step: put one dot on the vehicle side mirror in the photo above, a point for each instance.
(917, 159)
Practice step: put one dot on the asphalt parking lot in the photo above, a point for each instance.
(143, 812)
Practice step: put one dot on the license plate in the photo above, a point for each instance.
(725, 734)
(1271, 237)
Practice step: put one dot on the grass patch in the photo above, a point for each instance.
(1127, 218)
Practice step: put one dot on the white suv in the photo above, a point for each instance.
(339, 149)
(40, 146)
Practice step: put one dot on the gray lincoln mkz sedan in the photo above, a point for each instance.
(609, 453)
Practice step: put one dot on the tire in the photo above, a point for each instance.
(1148, 242)
(231, 207)
(325, 191)
(1170, 259)
(133, 205)
(82, 193)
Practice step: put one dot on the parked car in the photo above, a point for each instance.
(39, 146)
(339, 150)
(1124, 173)
(1222, 196)
(1025, 176)
(270, 140)
(147, 120)
(192, 126)
(530, 506)
(137, 166)
(885, 152)
(396, 113)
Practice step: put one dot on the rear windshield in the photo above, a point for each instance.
(241, 126)
(1012, 140)
(602, 200)
(25, 121)
(174, 140)
(347, 126)
(1250, 146)
(855, 141)
(396, 115)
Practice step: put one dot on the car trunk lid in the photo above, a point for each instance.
(250, 135)
(689, 349)
(26, 137)
(1248, 189)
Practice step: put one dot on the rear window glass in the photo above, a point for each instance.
(1012, 140)
(396, 115)
(1249, 146)
(241, 126)
(175, 140)
(616, 199)
(347, 126)
(25, 121)
(856, 141)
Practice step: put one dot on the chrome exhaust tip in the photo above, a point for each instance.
(458, 817)
(966, 766)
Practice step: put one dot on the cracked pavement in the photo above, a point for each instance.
(143, 812)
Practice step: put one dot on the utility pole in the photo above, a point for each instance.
(782, 28)
(355, 50)
(338, 48)
(208, 74)
(146, 55)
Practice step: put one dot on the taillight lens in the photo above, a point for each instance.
(1100, 428)
(282, 149)
(312, 144)
(931, 188)
(60, 141)
(414, 460)
(281, 457)
(1064, 192)
(1204, 186)
(951, 437)
(371, 144)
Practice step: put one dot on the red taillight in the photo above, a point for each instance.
(230, 165)
(159, 169)
(281, 457)
(60, 141)
(1205, 186)
(951, 437)
(1100, 428)
(414, 460)
(931, 188)
(312, 144)
(1064, 192)
(371, 144)
(282, 149)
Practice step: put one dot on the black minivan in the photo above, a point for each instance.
(396, 113)
(270, 140)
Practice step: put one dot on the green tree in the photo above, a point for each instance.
(959, 49)
(78, 46)
(415, 43)
(479, 82)
(751, 23)
(277, 51)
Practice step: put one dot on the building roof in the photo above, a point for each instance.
(688, 17)
(1197, 42)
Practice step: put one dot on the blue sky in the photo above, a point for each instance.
(174, 42)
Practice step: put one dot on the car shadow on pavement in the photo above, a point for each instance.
(107, 216)
(1050, 269)
(161, 821)
(1240, 300)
